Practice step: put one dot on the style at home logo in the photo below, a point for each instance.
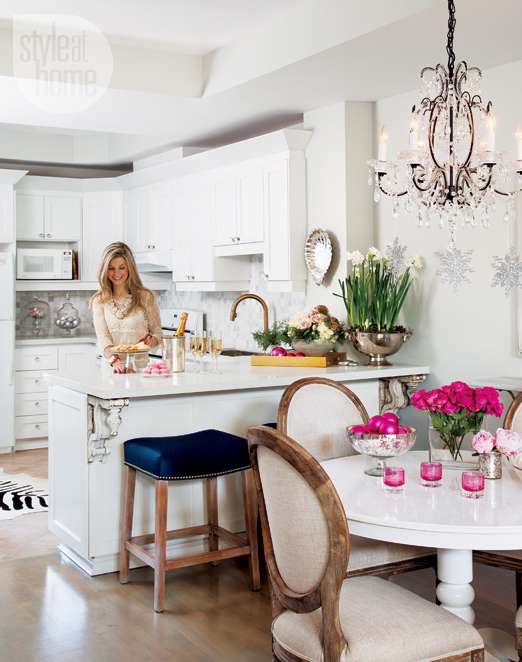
(62, 63)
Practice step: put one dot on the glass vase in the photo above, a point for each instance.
(457, 453)
(490, 464)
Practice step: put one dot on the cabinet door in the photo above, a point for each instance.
(29, 216)
(225, 208)
(202, 246)
(102, 225)
(276, 197)
(249, 184)
(75, 358)
(137, 219)
(162, 217)
(183, 211)
(63, 218)
(7, 225)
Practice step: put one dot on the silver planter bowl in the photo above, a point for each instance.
(378, 346)
(381, 446)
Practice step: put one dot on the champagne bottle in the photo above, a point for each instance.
(180, 331)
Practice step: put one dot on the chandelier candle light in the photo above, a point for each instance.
(452, 165)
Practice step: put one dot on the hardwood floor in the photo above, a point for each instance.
(51, 611)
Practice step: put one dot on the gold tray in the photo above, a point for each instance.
(332, 358)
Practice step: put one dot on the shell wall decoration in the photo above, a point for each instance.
(318, 254)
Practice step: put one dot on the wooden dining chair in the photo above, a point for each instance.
(509, 559)
(319, 615)
(316, 411)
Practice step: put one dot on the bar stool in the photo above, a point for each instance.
(206, 454)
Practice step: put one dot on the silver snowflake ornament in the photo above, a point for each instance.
(455, 266)
(395, 256)
(508, 270)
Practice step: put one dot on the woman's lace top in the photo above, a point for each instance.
(126, 331)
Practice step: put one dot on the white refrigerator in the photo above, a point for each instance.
(7, 343)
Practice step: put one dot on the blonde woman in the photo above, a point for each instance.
(124, 311)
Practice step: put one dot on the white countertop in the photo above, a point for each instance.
(237, 374)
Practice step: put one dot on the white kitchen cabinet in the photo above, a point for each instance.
(102, 225)
(194, 266)
(285, 217)
(148, 217)
(239, 217)
(48, 217)
(7, 226)
(31, 423)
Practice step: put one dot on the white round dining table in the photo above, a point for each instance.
(433, 517)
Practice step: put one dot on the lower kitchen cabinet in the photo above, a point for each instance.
(31, 406)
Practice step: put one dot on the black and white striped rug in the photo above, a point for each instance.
(21, 494)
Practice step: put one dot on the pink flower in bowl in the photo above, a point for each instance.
(508, 442)
(483, 442)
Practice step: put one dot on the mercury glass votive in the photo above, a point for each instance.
(472, 484)
(393, 479)
(431, 474)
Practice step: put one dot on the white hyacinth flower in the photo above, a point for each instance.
(355, 257)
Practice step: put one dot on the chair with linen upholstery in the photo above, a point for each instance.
(509, 559)
(316, 411)
(319, 615)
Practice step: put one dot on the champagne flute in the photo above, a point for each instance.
(194, 349)
(215, 346)
(201, 347)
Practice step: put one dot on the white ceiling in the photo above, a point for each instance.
(208, 72)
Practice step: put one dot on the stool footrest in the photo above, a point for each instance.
(174, 534)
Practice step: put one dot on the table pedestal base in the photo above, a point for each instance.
(455, 573)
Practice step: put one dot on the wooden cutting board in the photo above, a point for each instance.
(332, 358)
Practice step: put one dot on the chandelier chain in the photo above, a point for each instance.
(451, 32)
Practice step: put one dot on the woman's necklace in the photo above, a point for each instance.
(117, 311)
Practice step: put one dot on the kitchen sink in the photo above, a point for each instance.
(237, 352)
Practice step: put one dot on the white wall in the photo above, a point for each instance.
(472, 334)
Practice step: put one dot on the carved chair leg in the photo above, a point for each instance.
(247, 481)
(129, 490)
(160, 544)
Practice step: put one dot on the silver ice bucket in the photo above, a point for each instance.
(174, 353)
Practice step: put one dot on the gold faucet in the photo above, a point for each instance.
(233, 313)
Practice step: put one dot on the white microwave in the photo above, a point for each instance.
(44, 264)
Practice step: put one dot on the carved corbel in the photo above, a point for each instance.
(104, 421)
(395, 392)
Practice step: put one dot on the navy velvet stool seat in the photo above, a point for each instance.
(198, 455)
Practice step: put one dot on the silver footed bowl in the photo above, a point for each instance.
(378, 346)
(381, 446)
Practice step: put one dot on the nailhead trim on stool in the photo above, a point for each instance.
(206, 454)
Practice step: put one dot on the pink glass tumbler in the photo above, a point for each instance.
(431, 474)
(472, 484)
(393, 479)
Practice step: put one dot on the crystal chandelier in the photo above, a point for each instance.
(451, 171)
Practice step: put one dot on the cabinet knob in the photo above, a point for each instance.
(36, 404)
(49, 235)
(37, 382)
(41, 234)
(37, 359)
(37, 426)
(238, 239)
(265, 276)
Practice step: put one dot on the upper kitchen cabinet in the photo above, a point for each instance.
(285, 218)
(48, 217)
(148, 217)
(195, 268)
(238, 209)
(102, 225)
(7, 225)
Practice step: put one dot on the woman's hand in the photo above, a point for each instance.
(119, 367)
(149, 340)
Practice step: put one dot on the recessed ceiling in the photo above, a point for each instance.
(205, 73)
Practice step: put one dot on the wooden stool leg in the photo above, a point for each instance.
(129, 489)
(247, 481)
(212, 508)
(160, 544)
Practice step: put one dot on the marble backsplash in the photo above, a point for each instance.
(215, 305)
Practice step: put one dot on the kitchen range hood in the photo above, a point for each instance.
(154, 261)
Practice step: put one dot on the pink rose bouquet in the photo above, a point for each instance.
(457, 409)
(506, 442)
(315, 324)
(37, 313)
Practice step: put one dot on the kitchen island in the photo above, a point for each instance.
(91, 414)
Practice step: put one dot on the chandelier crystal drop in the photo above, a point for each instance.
(451, 167)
